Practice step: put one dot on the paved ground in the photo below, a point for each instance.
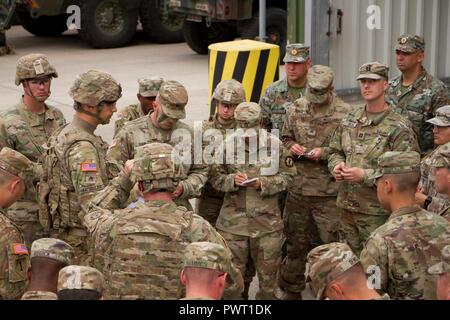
(71, 56)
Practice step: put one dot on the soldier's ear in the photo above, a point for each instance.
(421, 57)
(183, 278)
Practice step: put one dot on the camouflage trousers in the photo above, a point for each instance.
(355, 228)
(265, 252)
(25, 216)
(308, 222)
(78, 239)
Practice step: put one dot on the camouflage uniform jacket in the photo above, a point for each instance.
(209, 191)
(245, 211)
(129, 113)
(141, 132)
(404, 248)
(26, 132)
(427, 182)
(125, 242)
(74, 169)
(275, 103)
(310, 129)
(39, 295)
(419, 103)
(359, 142)
(14, 259)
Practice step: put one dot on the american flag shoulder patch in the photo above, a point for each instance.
(19, 248)
(89, 167)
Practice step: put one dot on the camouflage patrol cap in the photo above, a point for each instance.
(374, 71)
(410, 43)
(442, 158)
(15, 163)
(54, 249)
(80, 278)
(442, 118)
(94, 87)
(396, 162)
(149, 86)
(248, 115)
(34, 65)
(230, 92)
(319, 80)
(327, 262)
(296, 53)
(443, 266)
(173, 98)
(207, 255)
(157, 167)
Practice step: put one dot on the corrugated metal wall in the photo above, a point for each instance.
(356, 44)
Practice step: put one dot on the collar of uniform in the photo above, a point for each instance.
(324, 110)
(160, 203)
(284, 86)
(219, 125)
(77, 122)
(418, 81)
(33, 118)
(404, 211)
(362, 117)
(141, 113)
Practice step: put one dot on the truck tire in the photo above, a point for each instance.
(276, 28)
(44, 26)
(107, 24)
(198, 36)
(160, 26)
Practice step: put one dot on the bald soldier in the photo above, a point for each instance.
(335, 272)
(48, 257)
(206, 269)
(365, 134)
(75, 166)
(415, 93)
(26, 127)
(310, 123)
(14, 258)
(427, 196)
(442, 271)
(140, 249)
(80, 283)
(398, 254)
(252, 174)
(163, 125)
(148, 90)
(280, 95)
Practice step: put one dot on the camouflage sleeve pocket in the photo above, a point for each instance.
(18, 262)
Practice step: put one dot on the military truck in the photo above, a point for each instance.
(210, 21)
(104, 23)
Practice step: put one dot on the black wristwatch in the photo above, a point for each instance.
(427, 202)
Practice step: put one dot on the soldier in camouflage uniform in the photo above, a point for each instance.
(250, 218)
(80, 283)
(162, 125)
(227, 95)
(148, 90)
(400, 252)
(280, 95)
(48, 257)
(140, 250)
(14, 258)
(442, 271)
(336, 273)
(427, 196)
(26, 127)
(363, 136)
(205, 271)
(440, 168)
(310, 124)
(75, 166)
(415, 93)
